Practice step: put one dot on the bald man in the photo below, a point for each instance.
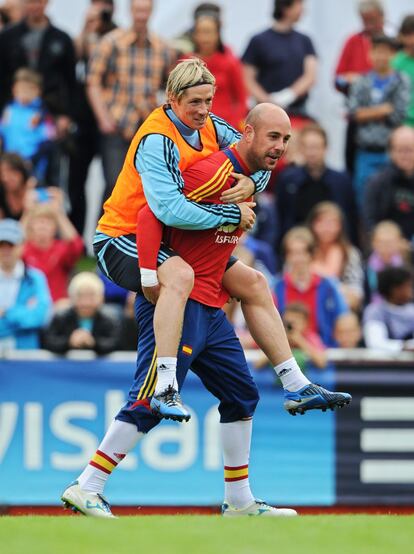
(390, 192)
(208, 345)
(264, 141)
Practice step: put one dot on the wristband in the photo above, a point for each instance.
(284, 97)
(149, 277)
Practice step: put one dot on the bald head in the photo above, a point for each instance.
(403, 134)
(402, 149)
(263, 113)
(265, 136)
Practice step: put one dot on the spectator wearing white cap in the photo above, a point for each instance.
(24, 294)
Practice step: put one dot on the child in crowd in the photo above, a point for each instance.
(85, 324)
(378, 104)
(26, 128)
(347, 331)
(53, 245)
(389, 323)
(299, 283)
(307, 347)
(388, 248)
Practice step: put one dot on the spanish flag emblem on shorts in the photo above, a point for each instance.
(187, 350)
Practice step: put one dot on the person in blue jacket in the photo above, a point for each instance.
(24, 295)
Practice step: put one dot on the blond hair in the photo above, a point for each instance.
(41, 210)
(85, 280)
(186, 74)
(387, 226)
(302, 234)
(28, 75)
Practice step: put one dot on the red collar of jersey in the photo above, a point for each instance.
(232, 151)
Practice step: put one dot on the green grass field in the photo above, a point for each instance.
(207, 534)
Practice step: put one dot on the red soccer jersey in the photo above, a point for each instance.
(207, 252)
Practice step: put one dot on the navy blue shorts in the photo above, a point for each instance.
(117, 258)
(210, 348)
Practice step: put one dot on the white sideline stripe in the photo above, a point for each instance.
(387, 409)
(387, 471)
(387, 440)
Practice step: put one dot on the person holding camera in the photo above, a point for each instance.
(98, 22)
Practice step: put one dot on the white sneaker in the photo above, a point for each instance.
(257, 508)
(87, 503)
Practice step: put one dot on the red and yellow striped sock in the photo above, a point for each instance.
(236, 486)
(237, 473)
(105, 463)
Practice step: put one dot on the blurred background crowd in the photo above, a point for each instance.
(336, 243)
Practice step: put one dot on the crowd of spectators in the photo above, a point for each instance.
(336, 245)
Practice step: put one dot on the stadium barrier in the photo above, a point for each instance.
(53, 412)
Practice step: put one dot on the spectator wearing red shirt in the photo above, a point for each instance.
(230, 99)
(355, 60)
(56, 257)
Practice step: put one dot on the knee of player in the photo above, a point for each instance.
(255, 286)
(183, 281)
(176, 277)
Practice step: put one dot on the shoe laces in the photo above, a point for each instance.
(315, 388)
(171, 396)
